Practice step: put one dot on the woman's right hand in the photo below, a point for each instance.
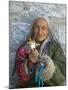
(33, 55)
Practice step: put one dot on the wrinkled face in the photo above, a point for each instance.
(40, 30)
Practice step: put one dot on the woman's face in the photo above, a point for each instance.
(40, 30)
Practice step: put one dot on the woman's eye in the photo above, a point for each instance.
(43, 27)
(36, 27)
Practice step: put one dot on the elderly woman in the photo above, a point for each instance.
(43, 65)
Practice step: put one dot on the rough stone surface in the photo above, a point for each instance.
(21, 17)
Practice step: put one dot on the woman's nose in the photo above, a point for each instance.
(39, 30)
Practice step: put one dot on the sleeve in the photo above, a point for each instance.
(49, 69)
(20, 66)
(22, 53)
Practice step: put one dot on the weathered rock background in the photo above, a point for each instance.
(21, 17)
